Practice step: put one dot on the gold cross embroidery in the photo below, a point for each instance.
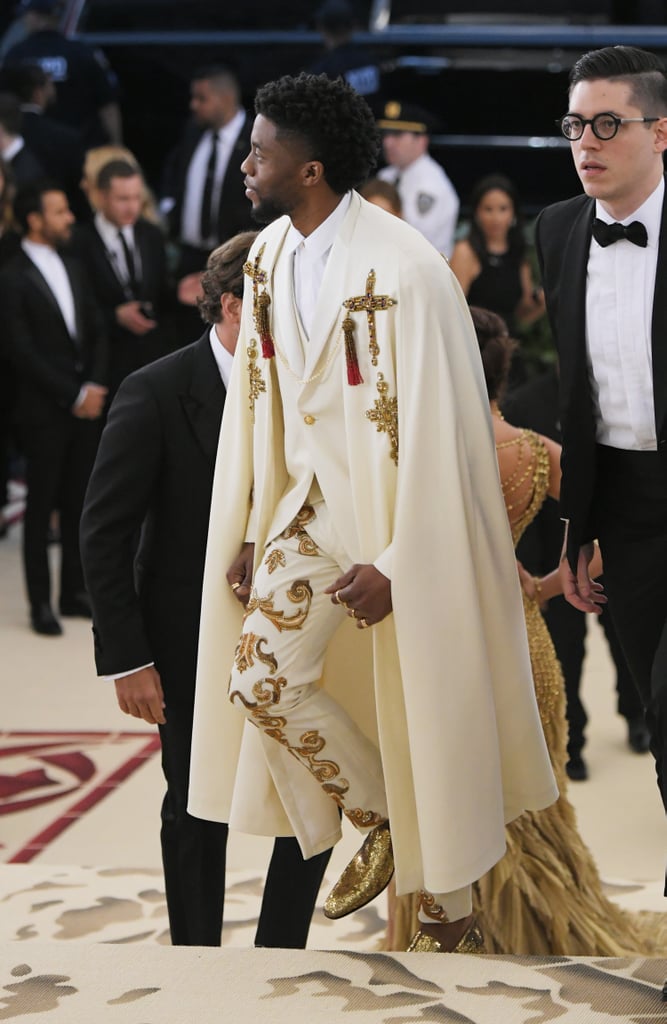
(256, 381)
(384, 415)
(371, 304)
(260, 302)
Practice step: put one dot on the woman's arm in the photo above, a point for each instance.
(465, 265)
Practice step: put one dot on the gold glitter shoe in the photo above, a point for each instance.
(471, 941)
(364, 878)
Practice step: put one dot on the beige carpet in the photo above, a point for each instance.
(115, 985)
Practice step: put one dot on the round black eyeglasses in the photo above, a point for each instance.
(605, 126)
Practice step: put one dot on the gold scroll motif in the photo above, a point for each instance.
(267, 694)
(255, 379)
(274, 560)
(300, 590)
(296, 528)
(432, 909)
(250, 648)
(384, 415)
(370, 303)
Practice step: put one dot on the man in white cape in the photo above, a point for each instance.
(360, 580)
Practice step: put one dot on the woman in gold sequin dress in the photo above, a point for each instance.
(545, 896)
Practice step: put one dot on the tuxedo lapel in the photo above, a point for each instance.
(659, 329)
(572, 298)
(74, 282)
(203, 401)
(38, 281)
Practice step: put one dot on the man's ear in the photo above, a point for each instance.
(230, 307)
(312, 173)
(661, 135)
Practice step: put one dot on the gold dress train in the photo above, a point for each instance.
(545, 896)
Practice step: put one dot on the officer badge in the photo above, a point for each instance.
(424, 202)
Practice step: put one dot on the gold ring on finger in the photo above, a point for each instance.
(363, 623)
(340, 600)
(235, 586)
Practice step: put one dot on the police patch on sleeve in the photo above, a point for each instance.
(424, 202)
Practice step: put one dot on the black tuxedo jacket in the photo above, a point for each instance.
(50, 365)
(128, 352)
(234, 210)
(154, 472)
(563, 236)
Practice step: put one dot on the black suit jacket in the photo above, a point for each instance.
(50, 365)
(234, 211)
(26, 168)
(563, 236)
(128, 352)
(146, 608)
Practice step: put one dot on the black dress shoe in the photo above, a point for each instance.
(638, 735)
(577, 769)
(77, 606)
(44, 621)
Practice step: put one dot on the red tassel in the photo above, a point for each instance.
(268, 350)
(353, 371)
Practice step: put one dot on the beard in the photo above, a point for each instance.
(268, 210)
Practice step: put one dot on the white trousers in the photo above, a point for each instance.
(287, 628)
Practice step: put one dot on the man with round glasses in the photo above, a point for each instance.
(603, 257)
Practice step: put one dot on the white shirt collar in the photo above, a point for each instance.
(649, 213)
(108, 232)
(319, 241)
(223, 358)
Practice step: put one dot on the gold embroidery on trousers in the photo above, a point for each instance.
(255, 379)
(250, 648)
(274, 559)
(432, 909)
(364, 819)
(296, 528)
(371, 304)
(300, 590)
(384, 415)
(311, 743)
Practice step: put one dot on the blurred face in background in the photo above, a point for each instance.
(495, 214)
(402, 148)
(121, 203)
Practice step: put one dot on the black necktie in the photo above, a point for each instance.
(606, 234)
(129, 263)
(206, 217)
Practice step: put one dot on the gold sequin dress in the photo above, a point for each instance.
(545, 896)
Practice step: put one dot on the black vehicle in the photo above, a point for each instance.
(494, 77)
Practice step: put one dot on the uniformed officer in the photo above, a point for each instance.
(429, 199)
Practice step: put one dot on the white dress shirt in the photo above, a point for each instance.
(52, 269)
(619, 310)
(223, 358)
(196, 177)
(108, 232)
(310, 260)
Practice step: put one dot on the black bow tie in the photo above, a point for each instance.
(606, 234)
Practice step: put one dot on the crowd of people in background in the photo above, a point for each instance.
(102, 275)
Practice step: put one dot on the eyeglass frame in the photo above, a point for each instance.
(618, 121)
